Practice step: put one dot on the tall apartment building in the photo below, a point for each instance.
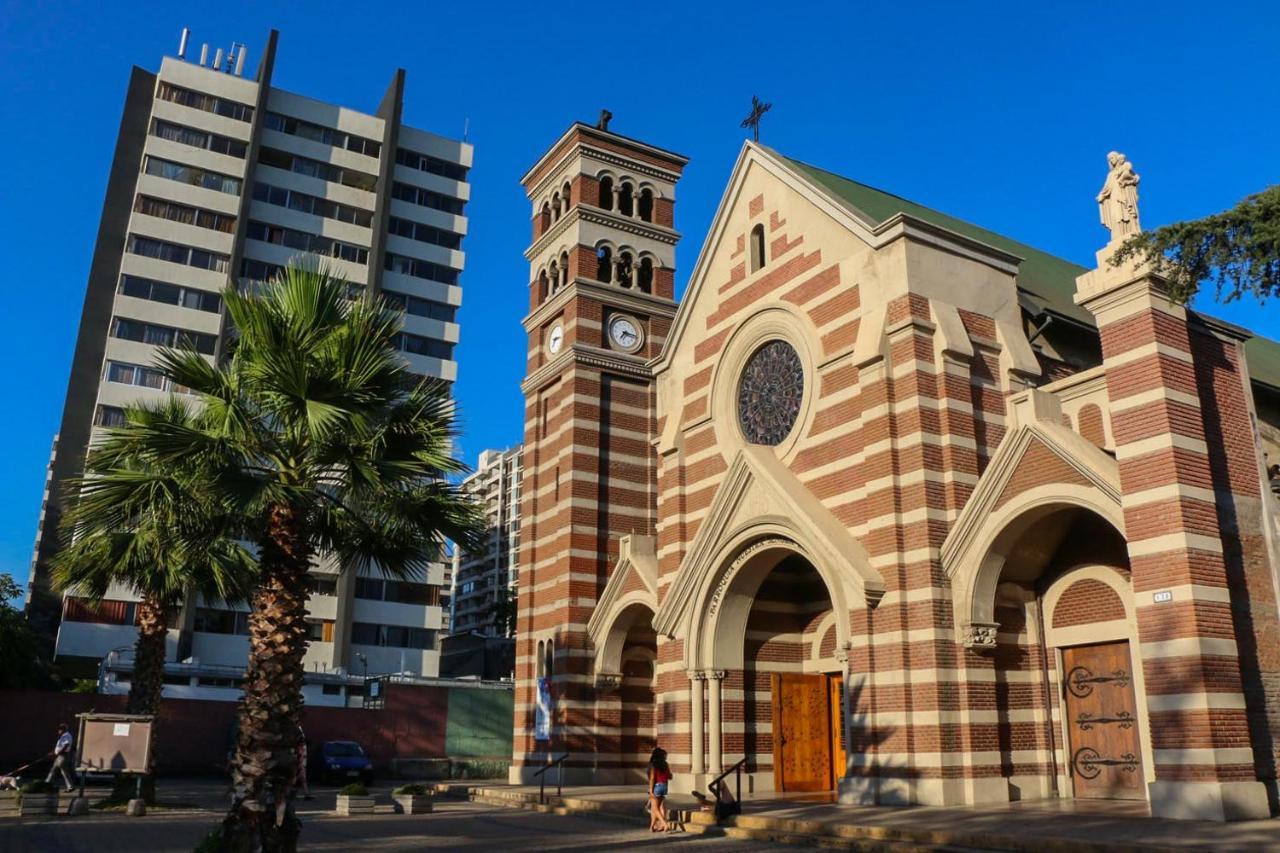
(481, 578)
(220, 178)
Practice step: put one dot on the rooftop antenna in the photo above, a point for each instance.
(204, 55)
(217, 60)
(240, 61)
(466, 129)
(182, 43)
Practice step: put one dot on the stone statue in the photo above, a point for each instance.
(1118, 200)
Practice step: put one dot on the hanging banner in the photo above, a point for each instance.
(542, 711)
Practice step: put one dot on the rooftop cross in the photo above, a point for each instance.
(758, 109)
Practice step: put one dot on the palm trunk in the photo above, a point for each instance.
(148, 658)
(265, 765)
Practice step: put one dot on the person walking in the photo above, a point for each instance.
(659, 779)
(301, 779)
(61, 756)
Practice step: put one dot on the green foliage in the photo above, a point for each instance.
(355, 789)
(415, 789)
(21, 665)
(1238, 250)
(82, 685)
(502, 612)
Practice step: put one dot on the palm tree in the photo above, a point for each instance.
(148, 529)
(316, 434)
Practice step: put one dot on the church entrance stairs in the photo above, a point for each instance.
(1046, 826)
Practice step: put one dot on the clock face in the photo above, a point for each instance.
(556, 339)
(624, 333)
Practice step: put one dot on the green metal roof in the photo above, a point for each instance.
(1048, 279)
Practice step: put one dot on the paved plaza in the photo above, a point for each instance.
(454, 825)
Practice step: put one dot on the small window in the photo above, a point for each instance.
(646, 204)
(626, 200)
(606, 192)
(604, 264)
(644, 275)
(757, 248)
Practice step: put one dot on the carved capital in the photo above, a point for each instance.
(980, 635)
(842, 653)
(606, 682)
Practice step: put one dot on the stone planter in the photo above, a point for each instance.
(412, 803)
(9, 804)
(349, 805)
(39, 804)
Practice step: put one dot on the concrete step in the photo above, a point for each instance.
(626, 811)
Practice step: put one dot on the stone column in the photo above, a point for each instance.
(716, 678)
(697, 765)
(1177, 548)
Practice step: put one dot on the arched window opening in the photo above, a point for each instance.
(624, 269)
(606, 192)
(566, 193)
(543, 284)
(540, 662)
(646, 204)
(544, 218)
(554, 271)
(604, 264)
(555, 207)
(549, 667)
(644, 276)
(564, 268)
(626, 200)
(757, 248)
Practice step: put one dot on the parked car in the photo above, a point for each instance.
(341, 761)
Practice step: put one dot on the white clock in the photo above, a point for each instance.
(625, 333)
(555, 340)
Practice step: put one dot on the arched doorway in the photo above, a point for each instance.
(1068, 684)
(625, 674)
(771, 634)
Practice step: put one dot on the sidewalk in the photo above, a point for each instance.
(1046, 825)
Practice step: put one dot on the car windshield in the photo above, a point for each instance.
(343, 749)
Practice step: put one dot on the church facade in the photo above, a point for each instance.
(888, 505)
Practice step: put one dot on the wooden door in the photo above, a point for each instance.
(801, 732)
(835, 685)
(1102, 721)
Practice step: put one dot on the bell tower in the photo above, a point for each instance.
(601, 303)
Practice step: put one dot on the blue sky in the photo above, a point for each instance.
(998, 113)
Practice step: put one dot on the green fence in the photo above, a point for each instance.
(480, 723)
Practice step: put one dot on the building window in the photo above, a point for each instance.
(324, 135)
(626, 200)
(316, 169)
(175, 212)
(176, 253)
(191, 175)
(427, 198)
(322, 584)
(305, 242)
(331, 689)
(393, 636)
(255, 270)
(144, 377)
(431, 165)
(105, 612)
(184, 135)
(606, 192)
(303, 203)
(645, 207)
(170, 294)
(419, 345)
(201, 101)
(320, 630)
(421, 269)
(758, 259)
(162, 336)
(419, 307)
(216, 621)
(644, 275)
(108, 416)
(424, 233)
(604, 264)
